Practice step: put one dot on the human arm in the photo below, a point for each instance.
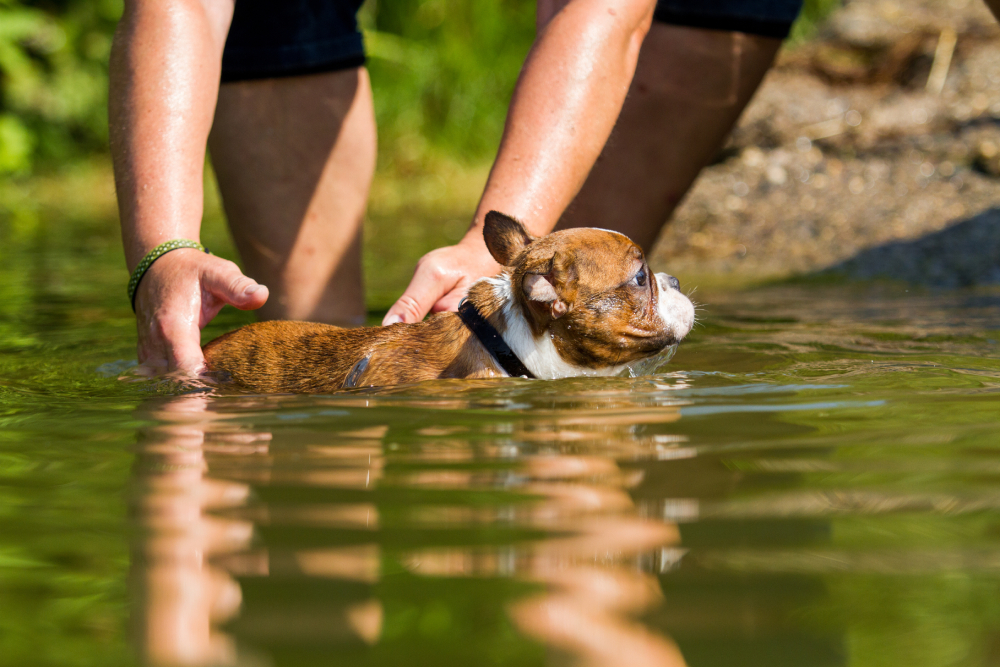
(565, 104)
(164, 81)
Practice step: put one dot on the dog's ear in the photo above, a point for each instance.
(553, 291)
(505, 237)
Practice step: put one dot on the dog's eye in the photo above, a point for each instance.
(640, 278)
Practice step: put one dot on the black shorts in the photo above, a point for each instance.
(273, 39)
(767, 18)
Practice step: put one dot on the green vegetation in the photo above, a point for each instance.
(53, 80)
(442, 70)
(812, 15)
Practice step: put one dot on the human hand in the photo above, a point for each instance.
(181, 292)
(441, 280)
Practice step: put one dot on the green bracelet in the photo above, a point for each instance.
(153, 255)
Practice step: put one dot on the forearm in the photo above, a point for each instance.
(564, 107)
(165, 67)
(565, 104)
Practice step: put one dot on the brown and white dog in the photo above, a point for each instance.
(575, 302)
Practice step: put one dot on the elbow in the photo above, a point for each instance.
(643, 11)
(629, 19)
(211, 17)
(624, 23)
(639, 19)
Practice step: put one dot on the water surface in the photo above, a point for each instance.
(812, 480)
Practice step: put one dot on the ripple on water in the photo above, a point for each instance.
(816, 489)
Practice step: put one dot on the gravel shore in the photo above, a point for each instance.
(871, 152)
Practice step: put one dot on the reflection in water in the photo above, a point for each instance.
(590, 574)
(220, 500)
(813, 494)
(188, 549)
(182, 596)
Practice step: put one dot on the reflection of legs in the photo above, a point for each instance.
(181, 598)
(294, 158)
(186, 559)
(690, 87)
(589, 606)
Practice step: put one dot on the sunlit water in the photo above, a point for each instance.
(812, 480)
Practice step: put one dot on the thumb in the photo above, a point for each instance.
(428, 285)
(449, 302)
(224, 281)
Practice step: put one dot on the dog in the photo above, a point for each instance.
(575, 302)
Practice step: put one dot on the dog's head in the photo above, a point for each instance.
(591, 292)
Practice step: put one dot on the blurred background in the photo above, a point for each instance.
(874, 135)
(443, 72)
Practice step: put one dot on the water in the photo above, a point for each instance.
(812, 481)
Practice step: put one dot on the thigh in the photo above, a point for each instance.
(690, 86)
(294, 158)
(293, 145)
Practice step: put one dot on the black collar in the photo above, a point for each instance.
(492, 341)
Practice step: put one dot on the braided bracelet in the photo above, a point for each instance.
(153, 255)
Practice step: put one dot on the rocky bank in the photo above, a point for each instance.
(870, 151)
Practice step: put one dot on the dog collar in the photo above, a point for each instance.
(492, 341)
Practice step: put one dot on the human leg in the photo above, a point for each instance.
(689, 89)
(294, 158)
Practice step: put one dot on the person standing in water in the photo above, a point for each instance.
(279, 94)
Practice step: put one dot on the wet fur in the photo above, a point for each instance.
(303, 357)
(567, 304)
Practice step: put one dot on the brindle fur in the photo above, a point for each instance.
(594, 315)
(303, 357)
(607, 321)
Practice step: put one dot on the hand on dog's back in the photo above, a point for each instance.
(442, 279)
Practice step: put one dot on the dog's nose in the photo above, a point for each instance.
(668, 282)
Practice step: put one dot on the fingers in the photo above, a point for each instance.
(170, 340)
(442, 278)
(449, 302)
(183, 338)
(167, 324)
(224, 281)
(180, 294)
(429, 284)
